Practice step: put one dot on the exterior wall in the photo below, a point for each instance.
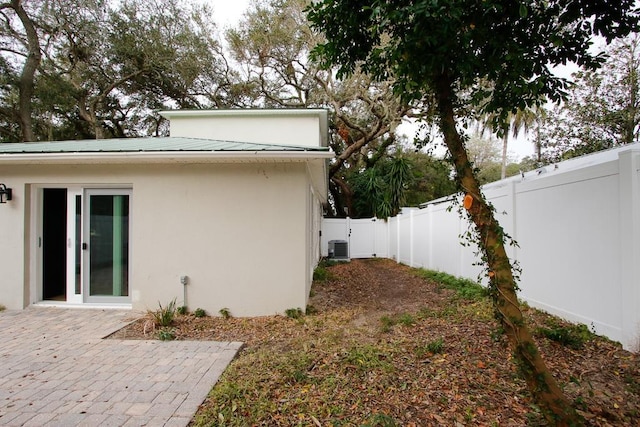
(314, 220)
(12, 236)
(303, 131)
(239, 231)
(578, 230)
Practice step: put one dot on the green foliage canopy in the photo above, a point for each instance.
(497, 53)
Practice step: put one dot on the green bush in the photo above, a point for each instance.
(199, 312)
(225, 313)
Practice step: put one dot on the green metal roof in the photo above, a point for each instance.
(163, 144)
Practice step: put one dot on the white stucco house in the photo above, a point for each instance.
(224, 213)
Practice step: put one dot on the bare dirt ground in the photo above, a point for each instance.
(387, 347)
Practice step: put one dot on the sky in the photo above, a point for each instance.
(227, 12)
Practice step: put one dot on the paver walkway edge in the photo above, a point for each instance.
(56, 370)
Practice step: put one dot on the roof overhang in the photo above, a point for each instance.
(316, 161)
(164, 157)
(168, 151)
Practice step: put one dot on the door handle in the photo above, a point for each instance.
(84, 246)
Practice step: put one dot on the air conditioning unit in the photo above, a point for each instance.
(338, 249)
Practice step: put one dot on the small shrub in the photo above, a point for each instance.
(311, 310)
(182, 310)
(225, 313)
(199, 312)
(2, 307)
(164, 316)
(294, 313)
(166, 334)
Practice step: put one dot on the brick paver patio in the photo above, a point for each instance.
(56, 370)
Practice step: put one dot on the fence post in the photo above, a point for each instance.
(411, 238)
(398, 238)
(514, 218)
(430, 236)
(629, 166)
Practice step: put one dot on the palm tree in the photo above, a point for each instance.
(521, 120)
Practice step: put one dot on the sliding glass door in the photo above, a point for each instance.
(106, 246)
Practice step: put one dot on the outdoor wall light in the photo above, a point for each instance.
(5, 193)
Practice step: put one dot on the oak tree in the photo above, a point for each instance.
(271, 46)
(603, 107)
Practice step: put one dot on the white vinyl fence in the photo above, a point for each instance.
(577, 224)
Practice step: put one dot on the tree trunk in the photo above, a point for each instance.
(31, 63)
(344, 198)
(87, 112)
(505, 141)
(557, 409)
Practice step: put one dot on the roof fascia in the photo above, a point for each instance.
(164, 157)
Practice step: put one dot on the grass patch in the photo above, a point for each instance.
(327, 262)
(322, 274)
(432, 347)
(435, 346)
(381, 420)
(464, 288)
(387, 323)
(406, 319)
(294, 313)
(367, 358)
